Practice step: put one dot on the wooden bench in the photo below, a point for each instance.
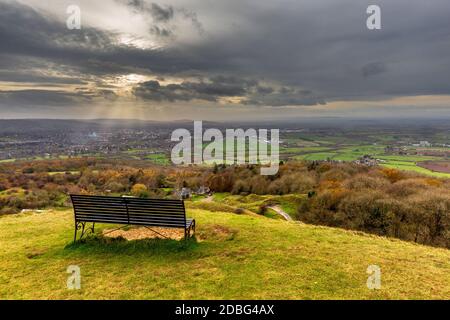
(130, 211)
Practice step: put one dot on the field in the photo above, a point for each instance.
(350, 147)
(234, 257)
(158, 158)
(413, 166)
(441, 166)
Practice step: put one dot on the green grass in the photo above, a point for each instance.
(17, 192)
(411, 166)
(220, 196)
(7, 160)
(196, 198)
(236, 257)
(409, 163)
(316, 156)
(289, 203)
(272, 214)
(407, 158)
(351, 153)
(158, 158)
(346, 153)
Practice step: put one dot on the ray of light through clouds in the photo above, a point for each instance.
(214, 60)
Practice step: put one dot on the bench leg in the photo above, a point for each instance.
(187, 231)
(75, 237)
(81, 226)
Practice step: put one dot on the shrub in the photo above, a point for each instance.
(140, 191)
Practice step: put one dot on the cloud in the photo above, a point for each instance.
(160, 13)
(372, 69)
(211, 90)
(286, 54)
(161, 31)
(23, 98)
(245, 91)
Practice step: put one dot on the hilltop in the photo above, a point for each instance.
(234, 257)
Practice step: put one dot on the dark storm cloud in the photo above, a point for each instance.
(310, 52)
(39, 37)
(210, 90)
(162, 14)
(373, 69)
(158, 12)
(250, 92)
(192, 16)
(283, 97)
(161, 31)
(29, 77)
(89, 51)
(23, 98)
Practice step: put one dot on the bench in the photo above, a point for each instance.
(130, 212)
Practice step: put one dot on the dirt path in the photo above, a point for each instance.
(208, 199)
(281, 212)
(277, 209)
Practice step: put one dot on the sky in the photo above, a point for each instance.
(224, 60)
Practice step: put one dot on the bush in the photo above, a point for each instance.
(140, 191)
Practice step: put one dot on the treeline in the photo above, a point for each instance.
(383, 201)
(377, 200)
(41, 184)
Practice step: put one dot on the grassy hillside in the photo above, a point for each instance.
(235, 257)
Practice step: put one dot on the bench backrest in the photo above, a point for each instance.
(133, 211)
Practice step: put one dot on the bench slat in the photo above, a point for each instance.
(130, 206)
(132, 217)
(107, 218)
(139, 223)
(124, 212)
(122, 199)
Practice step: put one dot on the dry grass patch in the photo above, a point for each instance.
(216, 232)
(141, 233)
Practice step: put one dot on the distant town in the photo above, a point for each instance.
(368, 144)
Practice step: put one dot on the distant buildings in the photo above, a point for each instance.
(423, 144)
(187, 193)
(184, 193)
(396, 150)
(367, 160)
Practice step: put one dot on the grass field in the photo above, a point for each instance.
(412, 166)
(158, 158)
(234, 257)
(351, 153)
(343, 153)
(289, 203)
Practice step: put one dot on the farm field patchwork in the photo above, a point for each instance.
(354, 149)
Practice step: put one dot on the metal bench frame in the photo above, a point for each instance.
(129, 211)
